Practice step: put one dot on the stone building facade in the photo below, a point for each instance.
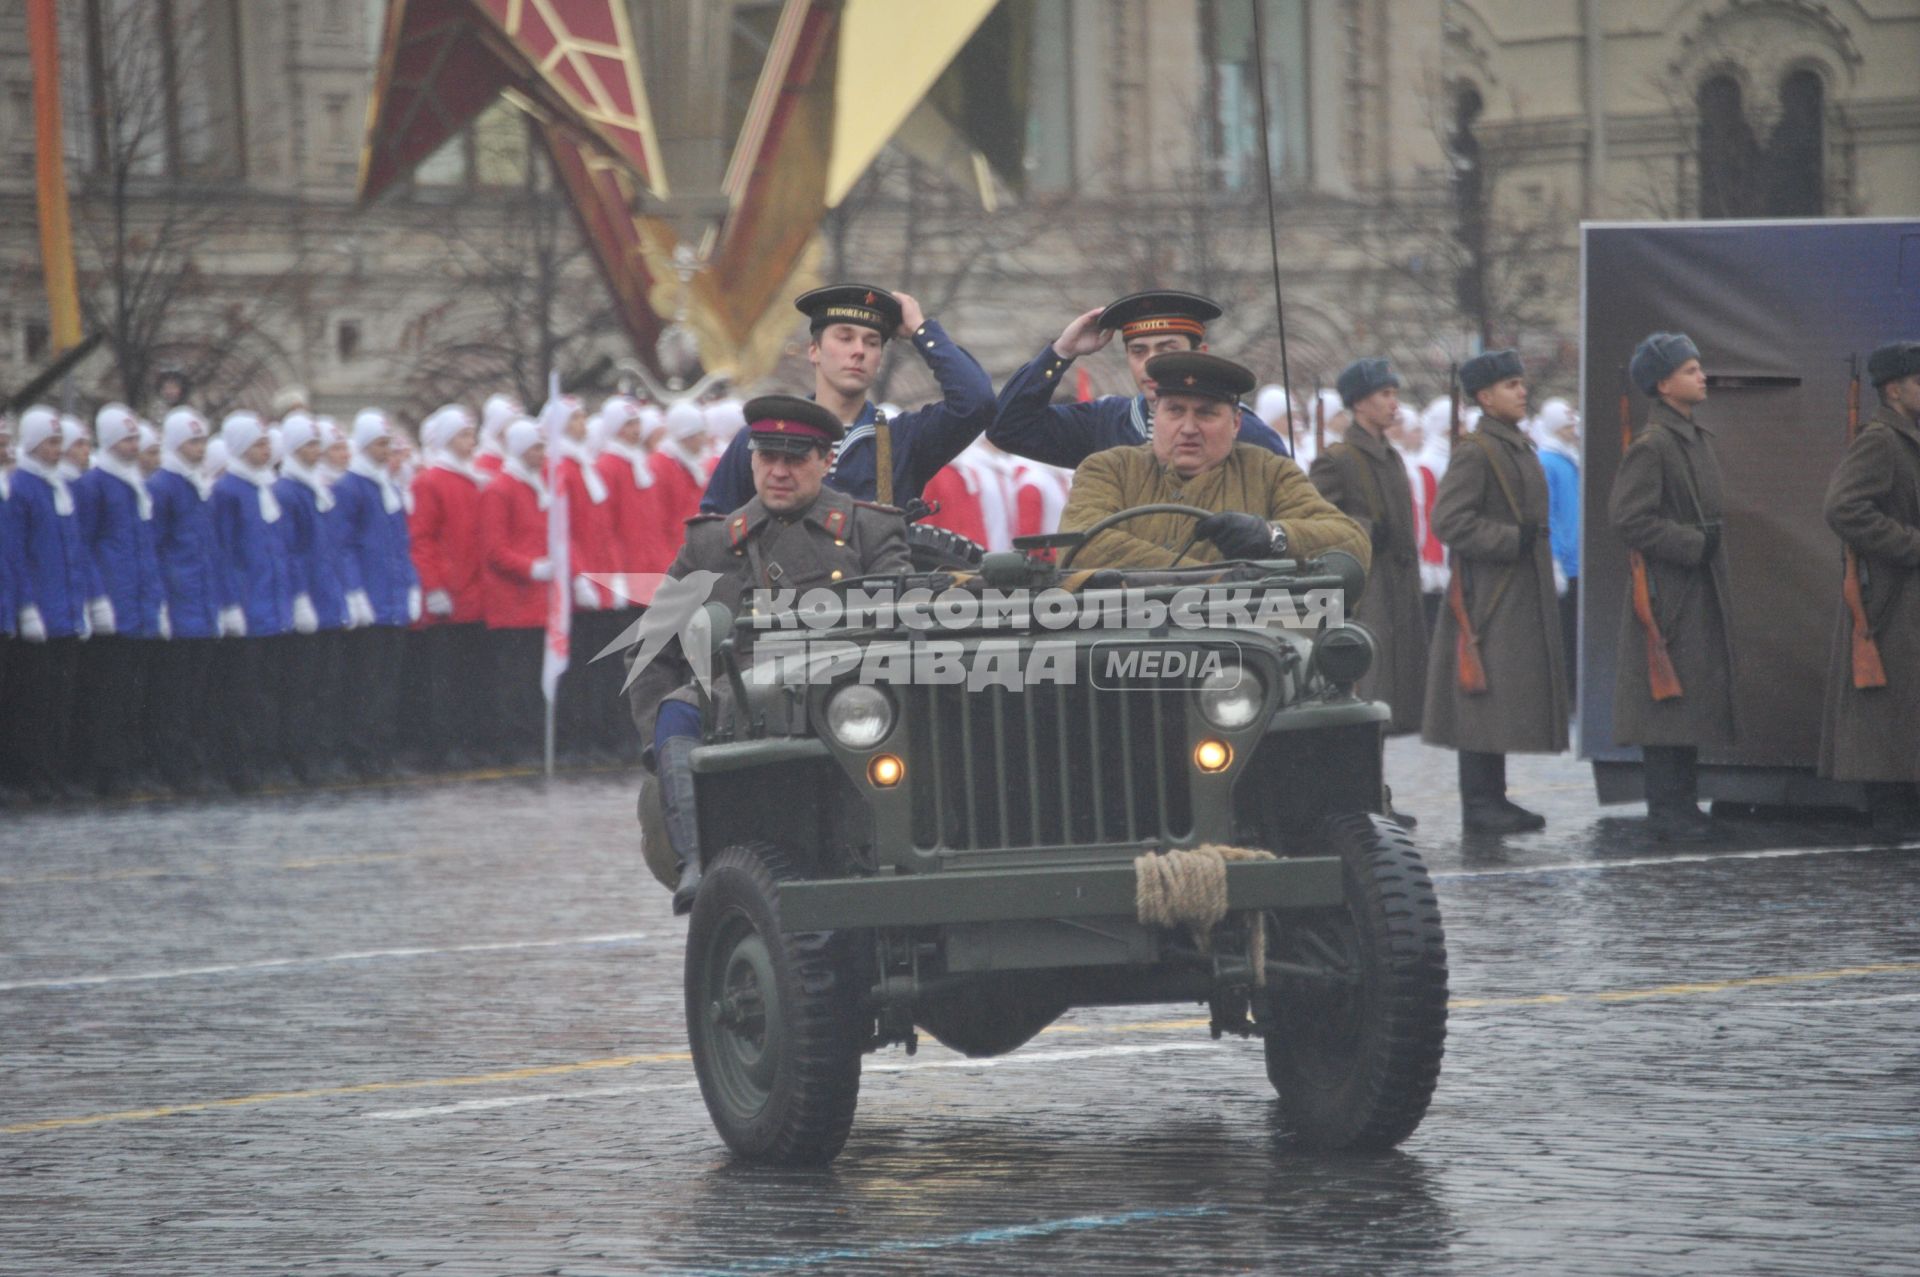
(1431, 161)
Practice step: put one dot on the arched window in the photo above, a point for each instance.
(1729, 156)
(1796, 178)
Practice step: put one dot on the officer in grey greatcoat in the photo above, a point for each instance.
(793, 534)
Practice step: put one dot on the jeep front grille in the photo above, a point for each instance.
(1050, 765)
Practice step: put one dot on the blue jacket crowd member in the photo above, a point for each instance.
(382, 593)
(51, 594)
(127, 609)
(1557, 431)
(310, 733)
(196, 597)
(1029, 424)
(253, 559)
(9, 567)
(850, 325)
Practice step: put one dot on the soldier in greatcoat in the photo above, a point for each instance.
(1667, 504)
(1366, 478)
(793, 534)
(1491, 512)
(1872, 734)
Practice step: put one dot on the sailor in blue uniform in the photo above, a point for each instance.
(1028, 424)
(850, 325)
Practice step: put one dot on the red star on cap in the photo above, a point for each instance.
(870, 299)
(1189, 379)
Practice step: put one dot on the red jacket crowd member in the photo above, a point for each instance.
(448, 555)
(499, 412)
(679, 474)
(589, 721)
(514, 587)
(623, 463)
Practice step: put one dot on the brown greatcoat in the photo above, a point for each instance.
(1250, 480)
(836, 538)
(1367, 480)
(1873, 503)
(1667, 487)
(1509, 598)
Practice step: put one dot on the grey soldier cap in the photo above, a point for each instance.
(1362, 377)
(1655, 358)
(1892, 362)
(1490, 369)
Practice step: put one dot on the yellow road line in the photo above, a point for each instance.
(1139, 1026)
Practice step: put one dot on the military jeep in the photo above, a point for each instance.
(891, 856)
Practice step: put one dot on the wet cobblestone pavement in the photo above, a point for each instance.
(438, 1028)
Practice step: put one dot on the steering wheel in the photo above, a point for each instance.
(1121, 516)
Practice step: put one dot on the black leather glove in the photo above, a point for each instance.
(1712, 531)
(1242, 536)
(1528, 534)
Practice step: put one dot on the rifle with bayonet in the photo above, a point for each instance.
(1663, 681)
(1472, 671)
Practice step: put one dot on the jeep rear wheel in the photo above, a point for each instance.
(1354, 1052)
(773, 1017)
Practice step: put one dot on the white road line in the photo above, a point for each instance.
(1642, 862)
(919, 1066)
(277, 964)
(1841, 1002)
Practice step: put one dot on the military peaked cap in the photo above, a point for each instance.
(1194, 372)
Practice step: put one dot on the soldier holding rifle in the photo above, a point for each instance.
(1496, 675)
(1871, 727)
(1667, 507)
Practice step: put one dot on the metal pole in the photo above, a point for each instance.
(549, 749)
(1273, 226)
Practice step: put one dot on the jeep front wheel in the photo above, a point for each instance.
(773, 1017)
(1355, 1047)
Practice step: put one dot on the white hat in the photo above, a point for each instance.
(114, 423)
(240, 431)
(596, 432)
(1271, 405)
(1555, 414)
(618, 410)
(726, 418)
(297, 431)
(499, 412)
(72, 431)
(1331, 404)
(149, 437)
(37, 425)
(181, 425)
(329, 431)
(685, 420)
(443, 424)
(520, 436)
(216, 458)
(288, 398)
(651, 419)
(369, 424)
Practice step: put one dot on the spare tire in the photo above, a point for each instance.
(936, 549)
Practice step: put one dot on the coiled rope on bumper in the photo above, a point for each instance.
(1187, 887)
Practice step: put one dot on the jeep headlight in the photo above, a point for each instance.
(859, 716)
(1343, 654)
(1231, 697)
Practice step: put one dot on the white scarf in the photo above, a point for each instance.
(689, 462)
(441, 459)
(62, 495)
(513, 467)
(129, 474)
(322, 494)
(172, 464)
(389, 494)
(1551, 442)
(589, 473)
(262, 480)
(636, 459)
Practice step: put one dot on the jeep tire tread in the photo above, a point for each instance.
(774, 1018)
(1355, 1064)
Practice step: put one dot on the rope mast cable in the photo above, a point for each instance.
(1273, 226)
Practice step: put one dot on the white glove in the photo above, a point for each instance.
(100, 614)
(86, 626)
(439, 603)
(413, 604)
(542, 570)
(33, 628)
(233, 623)
(1559, 580)
(585, 597)
(359, 609)
(305, 619)
(166, 622)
